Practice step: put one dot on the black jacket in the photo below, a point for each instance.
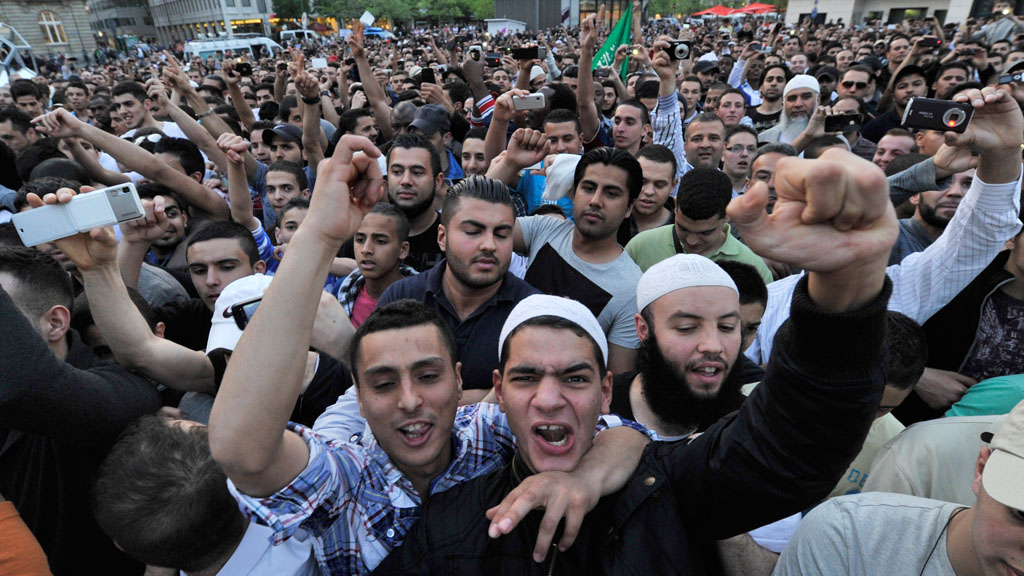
(58, 420)
(782, 452)
(951, 333)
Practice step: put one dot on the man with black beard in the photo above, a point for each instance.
(414, 174)
(471, 288)
(935, 208)
(682, 384)
(800, 100)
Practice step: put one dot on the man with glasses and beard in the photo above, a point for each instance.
(800, 100)
(471, 288)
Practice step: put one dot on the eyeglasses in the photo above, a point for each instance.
(151, 138)
(850, 84)
(739, 149)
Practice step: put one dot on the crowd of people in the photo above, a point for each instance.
(470, 304)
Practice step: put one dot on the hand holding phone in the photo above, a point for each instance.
(84, 212)
(528, 102)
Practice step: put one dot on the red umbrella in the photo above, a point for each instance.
(715, 11)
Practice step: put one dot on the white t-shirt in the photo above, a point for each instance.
(871, 534)
(170, 129)
(255, 556)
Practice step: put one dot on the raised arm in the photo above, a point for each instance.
(501, 117)
(92, 165)
(238, 188)
(60, 123)
(259, 389)
(374, 92)
(309, 93)
(590, 121)
(125, 330)
(195, 133)
(231, 78)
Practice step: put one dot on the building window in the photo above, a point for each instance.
(230, 3)
(53, 30)
(261, 5)
(246, 3)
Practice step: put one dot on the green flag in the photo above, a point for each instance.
(620, 35)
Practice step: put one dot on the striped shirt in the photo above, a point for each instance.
(357, 504)
(925, 281)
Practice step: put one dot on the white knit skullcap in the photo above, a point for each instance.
(536, 71)
(801, 81)
(678, 272)
(560, 174)
(545, 305)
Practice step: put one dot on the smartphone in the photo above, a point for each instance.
(84, 212)
(427, 75)
(531, 53)
(475, 51)
(417, 52)
(244, 68)
(929, 42)
(933, 114)
(529, 102)
(602, 73)
(318, 63)
(842, 122)
(492, 60)
(242, 312)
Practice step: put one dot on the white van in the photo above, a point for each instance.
(289, 36)
(254, 45)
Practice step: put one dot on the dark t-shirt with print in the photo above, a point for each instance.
(763, 122)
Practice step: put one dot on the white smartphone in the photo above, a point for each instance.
(528, 102)
(103, 207)
(319, 63)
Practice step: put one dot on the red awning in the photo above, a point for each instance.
(715, 11)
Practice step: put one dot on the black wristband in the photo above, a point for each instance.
(314, 100)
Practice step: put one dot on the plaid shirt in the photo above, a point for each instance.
(350, 287)
(358, 505)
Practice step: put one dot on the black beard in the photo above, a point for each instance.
(670, 398)
(931, 217)
(414, 211)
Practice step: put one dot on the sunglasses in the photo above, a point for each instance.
(850, 84)
(151, 138)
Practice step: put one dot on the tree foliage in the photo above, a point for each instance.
(290, 8)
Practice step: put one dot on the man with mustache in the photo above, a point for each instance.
(800, 100)
(471, 289)
(935, 208)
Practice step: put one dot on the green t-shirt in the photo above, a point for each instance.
(652, 246)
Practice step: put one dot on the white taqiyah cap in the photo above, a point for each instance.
(536, 71)
(678, 272)
(801, 81)
(545, 305)
(1003, 478)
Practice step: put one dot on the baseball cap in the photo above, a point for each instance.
(829, 71)
(431, 118)
(1005, 467)
(286, 132)
(224, 332)
(705, 66)
(1015, 66)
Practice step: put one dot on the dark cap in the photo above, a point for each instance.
(286, 132)
(910, 70)
(1015, 66)
(705, 66)
(431, 118)
(830, 71)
